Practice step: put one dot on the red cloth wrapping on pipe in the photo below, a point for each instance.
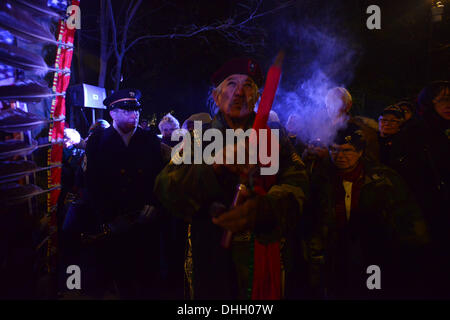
(267, 264)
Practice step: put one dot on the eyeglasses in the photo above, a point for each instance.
(442, 99)
(385, 121)
(128, 112)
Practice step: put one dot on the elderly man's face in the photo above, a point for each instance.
(166, 130)
(336, 106)
(345, 157)
(126, 120)
(236, 96)
(442, 104)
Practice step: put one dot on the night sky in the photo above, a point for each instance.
(379, 67)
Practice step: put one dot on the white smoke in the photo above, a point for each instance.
(325, 60)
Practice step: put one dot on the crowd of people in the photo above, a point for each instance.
(375, 193)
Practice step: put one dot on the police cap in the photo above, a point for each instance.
(127, 99)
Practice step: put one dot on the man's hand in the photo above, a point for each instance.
(227, 153)
(241, 218)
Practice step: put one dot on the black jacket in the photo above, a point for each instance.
(120, 178)
(422, 157)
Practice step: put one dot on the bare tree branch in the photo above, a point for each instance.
(227, 28)
(133, 13)
(235, 29)
(105, 47)
(130, 6)
(113, 28)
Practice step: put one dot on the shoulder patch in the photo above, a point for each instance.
(382, 178)
(297, 160)
(375, 176)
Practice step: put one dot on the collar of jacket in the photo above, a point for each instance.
(220, 123)
(375, 174)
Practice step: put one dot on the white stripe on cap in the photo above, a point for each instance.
(124, 99)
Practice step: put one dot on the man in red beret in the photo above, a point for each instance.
(197, 191)
(236, 90)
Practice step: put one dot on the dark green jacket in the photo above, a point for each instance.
(386, 229)
(188, 190)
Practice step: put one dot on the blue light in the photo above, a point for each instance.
(6, 37)
(6, 72)
(57, 4)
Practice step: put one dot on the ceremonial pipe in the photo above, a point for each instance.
(270, 89)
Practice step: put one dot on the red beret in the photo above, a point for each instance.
(246, 66)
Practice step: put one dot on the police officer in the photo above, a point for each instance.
(122, 163)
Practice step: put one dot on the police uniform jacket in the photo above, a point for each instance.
(120, 178)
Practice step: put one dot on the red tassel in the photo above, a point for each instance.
(267, 272)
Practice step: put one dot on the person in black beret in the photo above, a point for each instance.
(390, 122)
(365, 215)
(122, 163)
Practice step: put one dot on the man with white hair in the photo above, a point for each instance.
(166, 126)
(339, 102)
(71, 137)
(196, 192)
